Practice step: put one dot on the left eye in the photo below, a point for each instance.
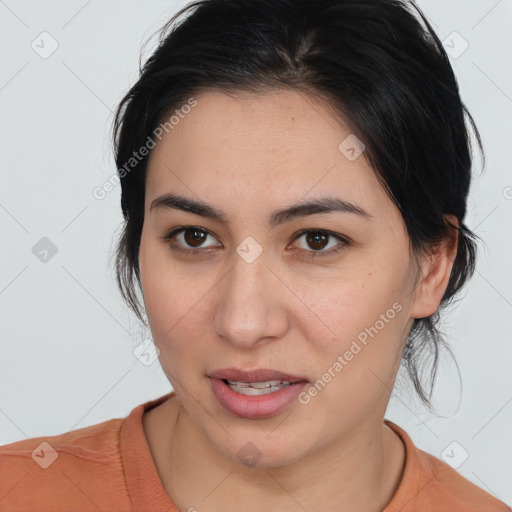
(193, 238)
(318, 240)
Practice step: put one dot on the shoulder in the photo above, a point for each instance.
(452, 487)
(430, 484)
(55, 472)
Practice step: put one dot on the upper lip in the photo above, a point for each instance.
(257, 375)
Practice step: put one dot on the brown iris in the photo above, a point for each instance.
(316, 240)
(196, 237)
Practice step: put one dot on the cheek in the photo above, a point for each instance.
(357, 348)
(176, 305)
(348, 307)
(163, 283)
(160, 285)
(175, 312)
(358, 354)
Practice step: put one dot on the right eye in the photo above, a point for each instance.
(189, 239)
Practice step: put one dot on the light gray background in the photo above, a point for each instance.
(67, 345)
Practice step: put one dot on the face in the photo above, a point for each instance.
(326, 296)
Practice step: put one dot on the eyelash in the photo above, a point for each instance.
(308, 254)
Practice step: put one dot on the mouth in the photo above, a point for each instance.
(257, 393)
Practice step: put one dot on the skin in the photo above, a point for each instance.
(248, 155)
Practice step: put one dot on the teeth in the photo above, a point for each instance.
(259, 385)
(257, 388)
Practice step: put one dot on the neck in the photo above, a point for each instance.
(196, 475)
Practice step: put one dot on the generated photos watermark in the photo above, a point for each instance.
(100, 192)
(355, 348)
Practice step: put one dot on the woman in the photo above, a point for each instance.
(294, 181)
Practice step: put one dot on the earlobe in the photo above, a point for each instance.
(436, 270)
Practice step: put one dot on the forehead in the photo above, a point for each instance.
(256, 148)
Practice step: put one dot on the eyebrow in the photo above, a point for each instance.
(302, 209)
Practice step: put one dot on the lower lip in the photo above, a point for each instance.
(255, 406)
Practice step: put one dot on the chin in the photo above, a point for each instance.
(258, 452)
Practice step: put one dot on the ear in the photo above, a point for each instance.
(435, 274)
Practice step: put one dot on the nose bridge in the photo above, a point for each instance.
(248, 306)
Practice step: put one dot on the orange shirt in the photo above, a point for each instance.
(108, 467)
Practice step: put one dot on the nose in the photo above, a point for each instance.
(250, 307)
